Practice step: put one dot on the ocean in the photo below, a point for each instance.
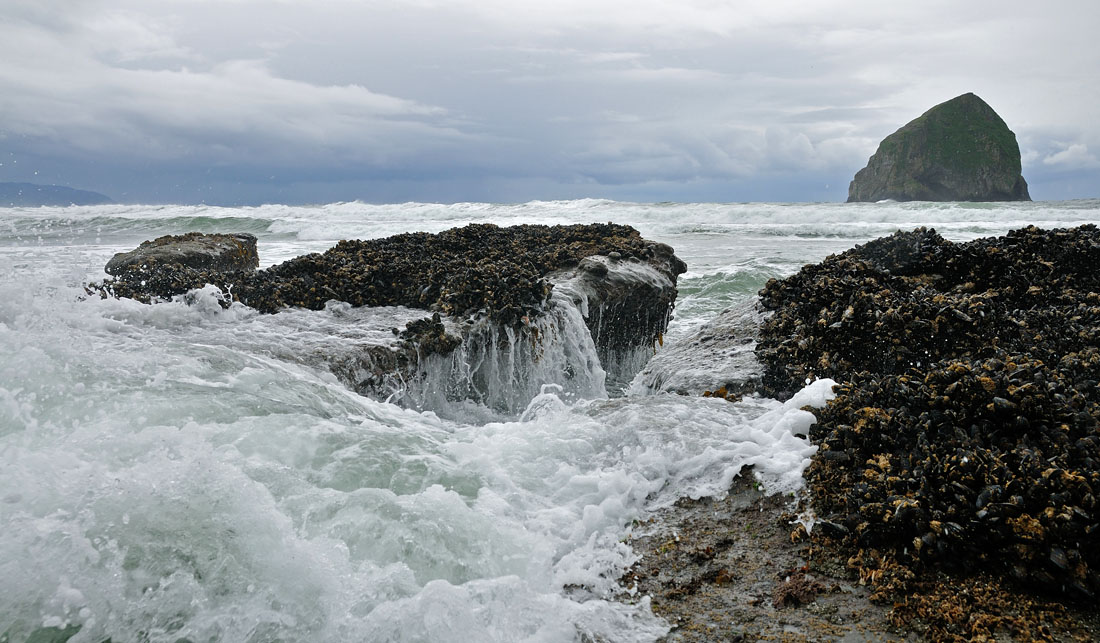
(183, 471)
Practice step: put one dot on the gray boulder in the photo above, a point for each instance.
(960, 150)
(217, 252)
(717, 359)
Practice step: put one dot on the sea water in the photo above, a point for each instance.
(185, 471)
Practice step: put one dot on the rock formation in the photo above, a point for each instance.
(960, 150)
(488, 289)
(966, 428)
(718, 359)
(213, 252)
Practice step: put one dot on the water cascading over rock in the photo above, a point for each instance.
(513, 308)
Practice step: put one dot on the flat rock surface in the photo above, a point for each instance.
(719, 356)
(727, 570)
(195, 250)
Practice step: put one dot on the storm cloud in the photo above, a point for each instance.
(302, 101)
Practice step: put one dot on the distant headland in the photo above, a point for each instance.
(31, 194)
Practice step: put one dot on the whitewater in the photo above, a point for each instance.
(185, 471)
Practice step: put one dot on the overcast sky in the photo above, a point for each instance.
(242, 101)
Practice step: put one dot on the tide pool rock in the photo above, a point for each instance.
(960, 150)
(965, 432)
(195, 250)
(507, 308)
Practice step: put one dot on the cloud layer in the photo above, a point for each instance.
(249, 101)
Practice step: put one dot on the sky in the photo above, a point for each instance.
(238, 102)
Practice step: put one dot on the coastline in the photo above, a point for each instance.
(953, 479)
(183, 379)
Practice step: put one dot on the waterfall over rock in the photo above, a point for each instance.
(512, 309)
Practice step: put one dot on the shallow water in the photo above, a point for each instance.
(187, 471)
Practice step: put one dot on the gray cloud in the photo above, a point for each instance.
(510, 100)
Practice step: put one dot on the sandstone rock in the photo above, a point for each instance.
(960, 150)
(214, 252)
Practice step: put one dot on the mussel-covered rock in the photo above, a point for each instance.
(966, 428)
(463, 271)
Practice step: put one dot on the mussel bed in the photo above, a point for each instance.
(478, 268)
(966, 428)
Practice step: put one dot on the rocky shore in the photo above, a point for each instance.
(954, 492)
(959, 465)
(485, 289)
(966, 431)
(479, 268)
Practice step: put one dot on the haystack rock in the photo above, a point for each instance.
(960, 150)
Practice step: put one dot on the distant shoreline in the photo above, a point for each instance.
(6, 202)
(33, 194)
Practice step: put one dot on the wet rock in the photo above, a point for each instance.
(429, 335)
(717, 360)
(477, 280)
(967, 403)
(626, 307)
(796, 589)
(195, 250)
(457, 272)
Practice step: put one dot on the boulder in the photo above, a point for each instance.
(716, 360)
(194, 250)
(960, 150)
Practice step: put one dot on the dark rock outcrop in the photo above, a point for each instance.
(31, 195)
(966, 428)
(194, 250)
(479, 268)
(625, 303)
(960, 150)
(487, 286)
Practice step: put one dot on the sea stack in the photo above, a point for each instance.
(960, 150)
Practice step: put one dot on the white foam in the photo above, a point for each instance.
(181, 471)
